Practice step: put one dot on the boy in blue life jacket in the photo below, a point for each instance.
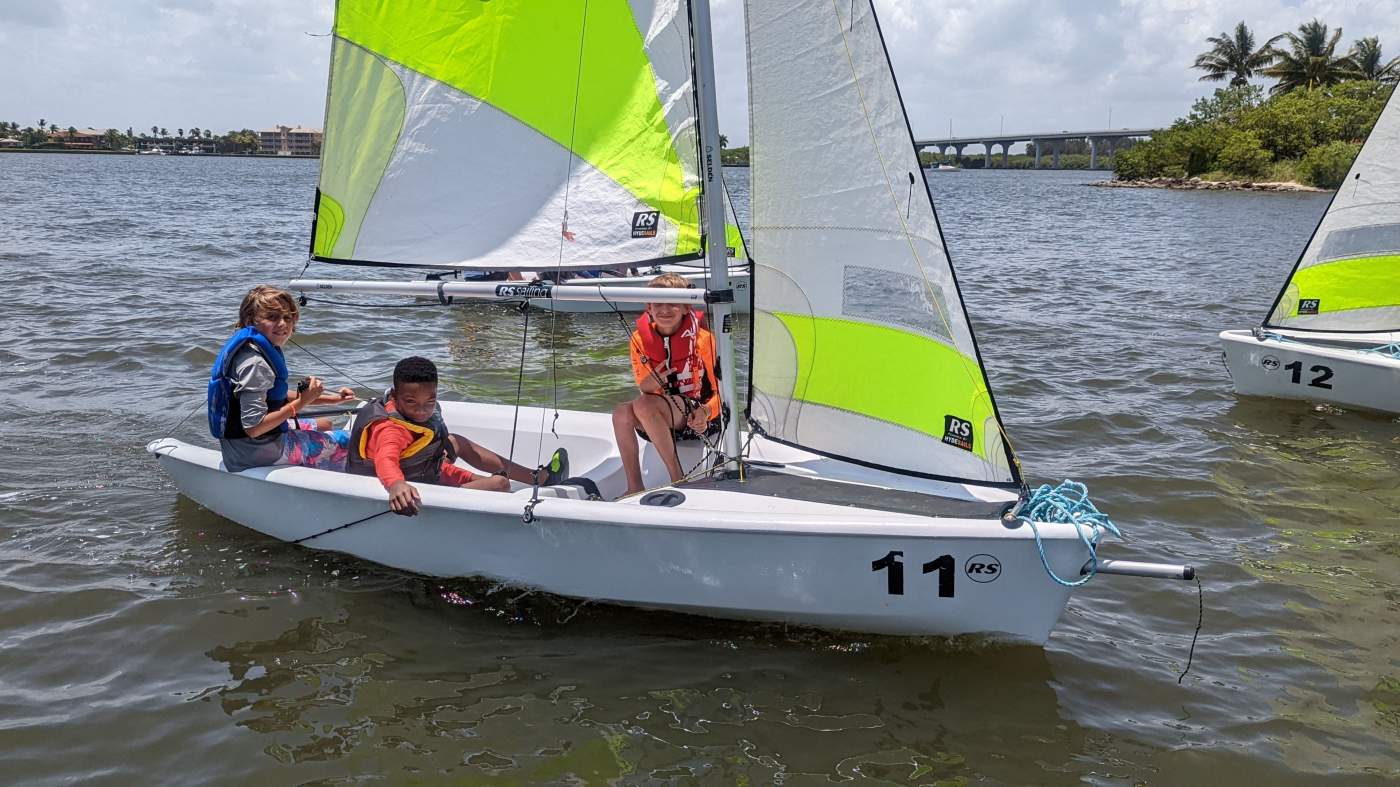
(251, 410)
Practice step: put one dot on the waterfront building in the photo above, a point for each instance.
(290, 141)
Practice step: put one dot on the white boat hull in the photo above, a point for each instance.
(719, 553)
(738, 281)
(1295, 369)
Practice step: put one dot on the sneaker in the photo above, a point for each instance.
(557, 468)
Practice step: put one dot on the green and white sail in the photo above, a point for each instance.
(509, 135)
(1348, 277)
(862, 348)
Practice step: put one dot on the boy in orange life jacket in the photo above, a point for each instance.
(404, 438)
(673, 361)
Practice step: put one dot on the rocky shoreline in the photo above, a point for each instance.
(1196, 184)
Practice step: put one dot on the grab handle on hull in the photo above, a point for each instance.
(1133, 568)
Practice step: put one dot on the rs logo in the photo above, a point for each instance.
(982, 568)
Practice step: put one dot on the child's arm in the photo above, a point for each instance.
(386, 443)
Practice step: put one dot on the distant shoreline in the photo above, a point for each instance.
(1196, 184)
(73, 151)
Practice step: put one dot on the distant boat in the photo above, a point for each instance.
(1333, 334)
(151, 152)
(946, 168)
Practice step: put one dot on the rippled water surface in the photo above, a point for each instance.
(146, 640)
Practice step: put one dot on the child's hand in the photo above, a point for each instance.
(313, 391)
(403, 498)
(346, 393)
(698, 420)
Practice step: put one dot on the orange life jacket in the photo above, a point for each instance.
(677, 354)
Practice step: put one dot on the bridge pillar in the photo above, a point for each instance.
(1005, 152)
(1112, 151)
(1093, 153)
(957, 154)
(1055, 154)
(1036, 142)
(986, 155)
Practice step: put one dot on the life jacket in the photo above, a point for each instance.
(421, 461)
(677, 353)
(224, 420)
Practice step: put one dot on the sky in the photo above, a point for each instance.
(981, 65)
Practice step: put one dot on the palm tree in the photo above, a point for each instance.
(163, 132)
(43, 123)
(1365, 55)
(155, 131)
(1234, 56)
(1310, 61)
(179, 132)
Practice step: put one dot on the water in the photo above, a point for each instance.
(143, 639)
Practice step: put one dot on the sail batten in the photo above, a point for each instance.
(862, 348)
(1348, 277)
(511, 135)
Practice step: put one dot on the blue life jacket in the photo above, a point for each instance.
(224, 421)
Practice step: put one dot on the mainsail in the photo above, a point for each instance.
(862, 348)
(512, 134)
(1348, 277)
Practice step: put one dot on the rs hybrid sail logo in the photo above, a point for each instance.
(644, 223)
(957, 432)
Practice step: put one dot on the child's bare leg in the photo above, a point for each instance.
(490, 483)
(625, 426)
(324, 425)
(659, 415)
(490, 461)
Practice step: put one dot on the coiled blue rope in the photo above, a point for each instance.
(1392, 349)
(1068, 503)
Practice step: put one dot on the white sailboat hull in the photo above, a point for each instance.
(719, 553)
(738, 281)
(1295, 369)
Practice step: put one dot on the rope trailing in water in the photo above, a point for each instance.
(1068, 503)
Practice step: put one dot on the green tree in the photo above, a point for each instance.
(723, 142)
(1226, 105)
(163, 132)
(155, 131)
(1290, 125)
(1234, 56)
(111, 139)
(53, 129)
(1326, 166)
(1310, 61)
(1368, 63)
(43, 124)
(208, 134)
(71, 133)
(180, 133)
(1243, 155)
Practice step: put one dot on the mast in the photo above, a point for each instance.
(711, 173)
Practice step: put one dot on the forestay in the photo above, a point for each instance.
(511, 134)
(862, 348)
(1348, 277)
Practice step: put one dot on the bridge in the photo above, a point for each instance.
(1104, 138)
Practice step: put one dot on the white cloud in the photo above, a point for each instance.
(1052, 64)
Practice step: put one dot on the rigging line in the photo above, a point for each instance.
(330, 530)
(573, 131)
(519, 381)
(908, 233)
(188, 416)
(329, 365)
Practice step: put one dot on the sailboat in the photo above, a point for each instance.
(866, 484)
(1333, 333)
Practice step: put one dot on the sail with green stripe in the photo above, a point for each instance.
(862, 349)
(1348, 277)
(509, 135)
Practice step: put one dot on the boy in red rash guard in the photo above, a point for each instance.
(403, 438)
